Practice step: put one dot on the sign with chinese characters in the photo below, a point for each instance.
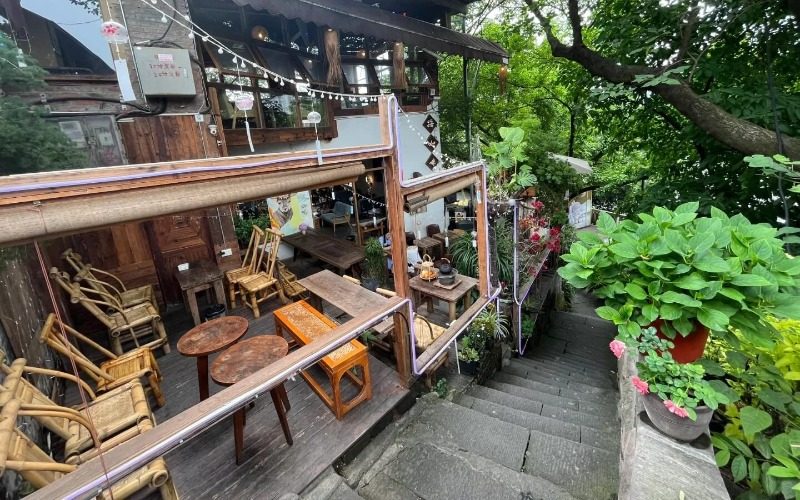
(164, 71)
(430, 124)
(431, 143)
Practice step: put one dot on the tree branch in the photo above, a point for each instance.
(735, 133)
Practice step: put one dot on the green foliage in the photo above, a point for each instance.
(484, 330)
(375, 259)
(681, 383)
(719, 271)
(508, 172)
(244, 226)
(528, 327)
(28, 143)
(761, 439)
(441, 388)
(465, 256)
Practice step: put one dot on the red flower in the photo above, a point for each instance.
(535, 237)
(554, 231)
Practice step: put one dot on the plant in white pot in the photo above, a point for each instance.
(687, 275)
(677, 399)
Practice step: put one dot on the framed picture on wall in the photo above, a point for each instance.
(288, 211)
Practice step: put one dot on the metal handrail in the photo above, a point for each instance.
(97, 474)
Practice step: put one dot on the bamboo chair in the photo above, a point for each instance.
(117, 415)
(109, 284)
(124, 324)
(288, 283)
(263, 285)
(20, 454)
(116, 371)
(249, 264)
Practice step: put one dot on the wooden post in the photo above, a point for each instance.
(482, 226)
(397, 229)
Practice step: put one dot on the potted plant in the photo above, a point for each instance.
(374, 264)
(508, 172)
(686, 275)
(468, 356)
(676, 397)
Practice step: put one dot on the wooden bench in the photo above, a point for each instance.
(305, 324)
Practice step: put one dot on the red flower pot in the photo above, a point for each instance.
(687, 349)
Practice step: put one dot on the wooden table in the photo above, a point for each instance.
(345, 295)
(341, 254)
(424, 289)
(242, 360)
(208, 338)
(451, 236)
(305, 324)
(431, 246)
(199, 277)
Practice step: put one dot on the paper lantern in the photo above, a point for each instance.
(114, 32)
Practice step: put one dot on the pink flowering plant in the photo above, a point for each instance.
(680, 386)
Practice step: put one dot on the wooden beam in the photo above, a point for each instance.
(397, 230)
(482, 228)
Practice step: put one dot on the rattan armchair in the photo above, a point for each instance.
(289, 284)
(107, 283)
(249, 264)
(139, 324)
(263, 285)
(20, 454)
(116, 371)
(115, 416)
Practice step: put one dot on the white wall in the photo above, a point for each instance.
(364, 131)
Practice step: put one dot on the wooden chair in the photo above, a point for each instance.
(263, 285)
(116, 416)
(339, 215)
(124, 324)
(116, 371)
(249, 265)
(109, 284)
(288, 283)
(20, 454)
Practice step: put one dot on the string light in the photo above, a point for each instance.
(222, 48)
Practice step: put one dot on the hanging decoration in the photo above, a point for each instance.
(399, 62)
(114, 32)
(333, 56)
(502, 75)
(315, 118)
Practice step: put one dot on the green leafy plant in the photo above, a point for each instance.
(465, 256)
(718, 271)
(760, 443)
(467, 352)
(244, 226)
(441, 388)
(527, 327)
(374, 260)
(508, 172)
(489, 323)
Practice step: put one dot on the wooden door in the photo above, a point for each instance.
(175, 240)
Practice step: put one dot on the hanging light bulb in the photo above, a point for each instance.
(186, 16)
(205, 38)
(191, 34)
(282, 82)
(220, 51)
(154, 2)
(235, 60)
(164, 18)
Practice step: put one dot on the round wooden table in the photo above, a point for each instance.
(244, 359)
(208, 338)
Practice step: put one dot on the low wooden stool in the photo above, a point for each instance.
(305, 324)
(242, 360)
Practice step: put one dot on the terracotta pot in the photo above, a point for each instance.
(687, 349)
(680, 428)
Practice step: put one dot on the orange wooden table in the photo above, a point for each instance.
(305, 324)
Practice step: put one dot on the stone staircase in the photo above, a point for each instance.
(545, 427)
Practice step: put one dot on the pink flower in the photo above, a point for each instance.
(554, 231)
(617, 347)
(640, 385)
(677, 410)
(536, 237)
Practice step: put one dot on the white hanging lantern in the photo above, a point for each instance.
(114, 32)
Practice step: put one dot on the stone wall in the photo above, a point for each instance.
(655, 467)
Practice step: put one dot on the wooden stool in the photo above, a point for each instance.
(305, 324)
(242, 360)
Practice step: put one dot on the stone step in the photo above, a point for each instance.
(561, 408)
(577, 362)
(554, 366)
(329, 486)
(602, 396)
(443, 423)
(577, 382)
(555, 427)
(543, 369)
(505, 399)
(585, 471)
(424, 470)
(600, 355)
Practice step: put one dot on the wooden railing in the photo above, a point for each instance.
(122, 460)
